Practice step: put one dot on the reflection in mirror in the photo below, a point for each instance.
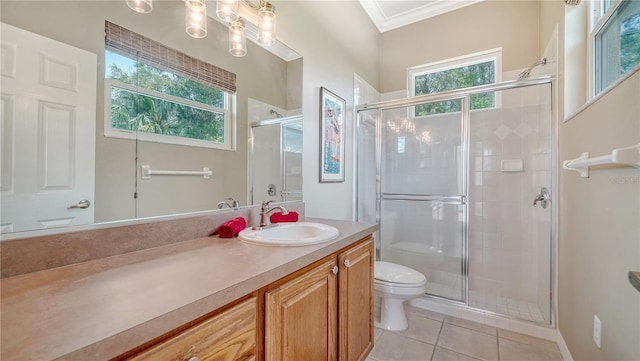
(48, 126)
(117, 189)
(276, 160)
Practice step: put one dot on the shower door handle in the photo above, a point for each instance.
(543, 198)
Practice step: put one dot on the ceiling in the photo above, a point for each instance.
(391, 14)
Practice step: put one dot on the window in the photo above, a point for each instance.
(152, 99)
(616, 42)
(468, 71)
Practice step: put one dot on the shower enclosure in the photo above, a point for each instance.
(453, 189)
(275, 160)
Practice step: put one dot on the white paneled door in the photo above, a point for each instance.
(48, 115)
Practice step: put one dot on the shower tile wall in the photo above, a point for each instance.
(508, 237)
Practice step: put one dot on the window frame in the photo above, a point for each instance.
(139, 48)
(494, 55)
(228, 113)
(597, 20)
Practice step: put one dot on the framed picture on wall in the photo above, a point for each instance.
(332, 116)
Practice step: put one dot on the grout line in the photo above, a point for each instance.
(498, 345)
(437, 340)
(497, 334)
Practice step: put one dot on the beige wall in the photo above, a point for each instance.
(512, 25)
(260, 75)
(599, 232)
(598, 229)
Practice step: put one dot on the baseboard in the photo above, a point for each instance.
(564, 349)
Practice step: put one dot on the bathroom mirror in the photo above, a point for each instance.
(267, 80)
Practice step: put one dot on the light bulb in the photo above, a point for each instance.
(227, 10)
(196, 18)
(267, 25)
(140, 6)
(237, 39)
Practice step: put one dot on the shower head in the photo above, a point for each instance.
(273, 112)
(525, 74)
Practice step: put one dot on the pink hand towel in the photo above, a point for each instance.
(279, 217)
(231, 228)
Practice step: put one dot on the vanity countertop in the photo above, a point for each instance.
(100, 309)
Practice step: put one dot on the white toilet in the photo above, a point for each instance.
(394, 284)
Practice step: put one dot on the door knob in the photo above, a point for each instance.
(543, 198)
(82, 204)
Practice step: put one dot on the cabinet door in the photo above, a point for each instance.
(228, 336)
(355, 303)
(300, 317)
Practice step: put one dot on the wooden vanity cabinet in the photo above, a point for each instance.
(323, 312)
(227, 336)
(301, 315)
(355, 301)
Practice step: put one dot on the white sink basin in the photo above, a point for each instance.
(290, 234)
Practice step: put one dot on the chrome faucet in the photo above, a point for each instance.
(235, 204)
(265, 222)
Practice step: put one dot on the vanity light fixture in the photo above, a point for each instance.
(226, 10)
(195, 18)
(267, 25)
(237, 39)
(140, 6)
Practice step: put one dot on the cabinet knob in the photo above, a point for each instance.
(194, 358)
(347, 263)
(335, 270)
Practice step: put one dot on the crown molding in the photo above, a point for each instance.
(420, 10)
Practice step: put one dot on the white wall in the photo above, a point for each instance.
(576, 53)
(323, 33)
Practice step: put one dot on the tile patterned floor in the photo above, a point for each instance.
(502, 305)
(435, 337)
(507, 306)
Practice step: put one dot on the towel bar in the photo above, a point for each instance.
(629, 156)
(634, 278)
(147, 172)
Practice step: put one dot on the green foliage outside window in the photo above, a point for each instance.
(140, 111)
(617, 44)
(629, 43)
(457, 78)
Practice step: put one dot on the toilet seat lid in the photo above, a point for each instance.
(395, 273)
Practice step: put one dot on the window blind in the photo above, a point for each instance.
(126, 42)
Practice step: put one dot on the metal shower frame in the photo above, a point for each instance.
(464, 96)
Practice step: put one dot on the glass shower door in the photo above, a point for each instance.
(292, 160)
(422, 197)
(509, 238)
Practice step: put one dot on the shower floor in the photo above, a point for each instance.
(506, 306)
